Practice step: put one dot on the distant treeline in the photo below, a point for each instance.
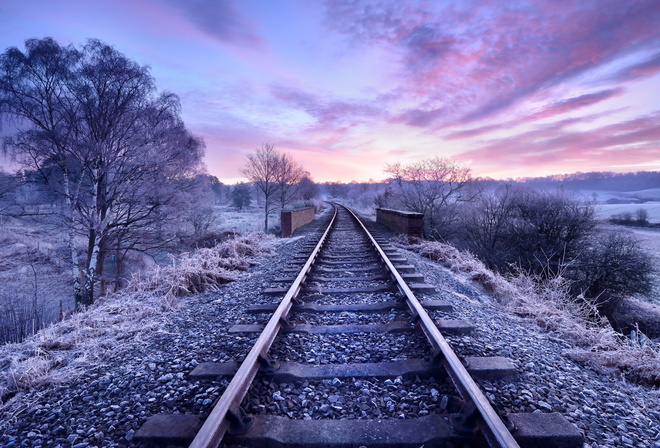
(641, 180)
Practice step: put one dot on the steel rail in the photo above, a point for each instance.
(216, 425)
(493, 428)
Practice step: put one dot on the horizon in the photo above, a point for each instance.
(526, 89)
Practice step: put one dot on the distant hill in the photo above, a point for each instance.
(599, 181)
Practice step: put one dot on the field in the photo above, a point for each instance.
(628, 202)
(650, 239)
(605, 211)
(35, 271)
(250, 219)
(36, 281)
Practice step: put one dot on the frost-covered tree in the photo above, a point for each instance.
(261, 169)
(276, 176)
(289, 179)
(91, 123)
(241, 196)
(308, 189)
(427, 186)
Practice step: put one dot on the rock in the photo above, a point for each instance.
(544, 406)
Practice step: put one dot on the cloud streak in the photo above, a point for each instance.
(481, 58)
(220, 19)
(532, 87)
(328, 113)
(629, 143)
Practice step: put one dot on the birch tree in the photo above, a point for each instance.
(91, 123)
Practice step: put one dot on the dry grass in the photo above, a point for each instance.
(204, 269)
(61, 352)
(550, 306)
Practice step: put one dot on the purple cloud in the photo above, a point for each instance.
(643, 69)
(331, 114)
(475, 132)
(419, 117)
(220, 19)
(570, 104)
(482, 58)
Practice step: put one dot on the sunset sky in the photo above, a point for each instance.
(512, 88)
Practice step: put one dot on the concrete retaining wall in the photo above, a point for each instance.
(408, 223)
(292, 219)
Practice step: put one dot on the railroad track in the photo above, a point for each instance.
(350, 357)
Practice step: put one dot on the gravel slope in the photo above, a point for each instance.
(109, 402)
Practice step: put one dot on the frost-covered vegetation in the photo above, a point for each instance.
(551, 305)
(109, 175)
(539, 246)
(515, 227)
(203, 269)
(61, 351)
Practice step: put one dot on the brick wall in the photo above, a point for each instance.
(292, 219)
(408, 223)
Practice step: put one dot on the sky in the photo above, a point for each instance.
(509, 88)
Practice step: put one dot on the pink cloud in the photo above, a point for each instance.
(642, 69)
(570, 104)
(554, 148)
(482, 58)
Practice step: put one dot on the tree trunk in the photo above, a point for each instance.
(75, 267)
(100, 269)
(90, 278)
(266, 216)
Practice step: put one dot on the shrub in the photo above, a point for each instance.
(612, 265)
(204, 269)
(550, 304)
(550, 234)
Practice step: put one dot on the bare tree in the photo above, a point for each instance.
(486, 225)
(336, 189)
(91, 124)
(262, 170)
(428, 185)
(641, 216)
(289, 176)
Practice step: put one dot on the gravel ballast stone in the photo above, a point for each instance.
(106, 406)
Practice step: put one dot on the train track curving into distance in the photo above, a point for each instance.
(403, 386)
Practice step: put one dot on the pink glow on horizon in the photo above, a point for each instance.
(346, 86)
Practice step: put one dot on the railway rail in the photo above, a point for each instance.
(349, 273)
